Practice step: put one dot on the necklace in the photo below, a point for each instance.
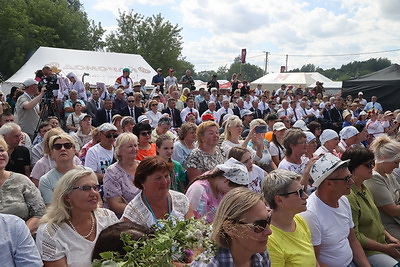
(91, 228)
(152, 212)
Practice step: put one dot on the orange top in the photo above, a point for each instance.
(268, 136)
(142, 154)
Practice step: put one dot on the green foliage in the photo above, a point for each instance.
(169, 244)
(352, 69)
(28, 24)
(249, 72)
(156, 40)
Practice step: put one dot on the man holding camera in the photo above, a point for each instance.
(27, 107)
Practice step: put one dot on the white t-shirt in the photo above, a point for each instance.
(255, 178)
(56, 242)
(170, 81)
(330, 228)
(296, 168)
(98, 158)
(276, 150)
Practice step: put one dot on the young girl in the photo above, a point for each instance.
(165, 149)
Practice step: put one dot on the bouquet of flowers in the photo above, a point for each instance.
(172, 241)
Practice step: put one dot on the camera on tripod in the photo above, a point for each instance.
(51, 84)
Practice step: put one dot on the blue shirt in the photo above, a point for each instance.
(371, 105)
(17, 247)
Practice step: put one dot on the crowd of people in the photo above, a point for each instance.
(292, 177)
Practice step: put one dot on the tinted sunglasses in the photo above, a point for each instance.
(154, 105)
(299, 192)
(258, 226)
(111, 135)
(131, 101)
(370, 164)
(145, 133)
(86, 188)
(346, 179)
(65, 145)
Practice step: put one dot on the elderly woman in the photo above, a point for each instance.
(46, 163)
(329, 143)
(186, 143)
(143, 132)
(77, 85)
(62, 151)
(256, 139)
(241, 229)
(116, 121)
(127, 124)
(290, 242)
(208, 154)
(72, 122)
(156, 201)
(206, 192)
(379, 246)
(153, 114)
(73, 221)
(138, 101)
(84, 133)
(19, 196)
(276, 146)
(311, 145)
(383, 185)
(118, 180)
(163, 128)
(256, 174)
(165, 148)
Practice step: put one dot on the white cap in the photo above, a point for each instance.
(29, 82)
(105, 127)
(348, 132)
(309, 136)
(327, 134)
(278, 126)
(301, 125)
(325, 166)
(234, 171)
(143, 118)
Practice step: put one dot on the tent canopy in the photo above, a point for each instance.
(101, 66)
(385, 84)
(273, 81)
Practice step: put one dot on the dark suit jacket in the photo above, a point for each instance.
(177, 116)
(257, 113)
(236, 111)
(101, 116)
(218, 106)
(327, 115)
(91, 109)
(126, 112)
(336, 115)
(203, 106)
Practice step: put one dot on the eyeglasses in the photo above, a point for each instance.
(145, 133)
(131, 101)
(299, 192)
(257, 226)
(154, 105)
(65, 145)
(346, 179)
(86, 188)
(301, 143)
(111, 136)
(370, 164)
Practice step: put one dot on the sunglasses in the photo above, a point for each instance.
(111, 136)
(257, 226)
(131, 101)
(154, 105)
(370, 164)
(65, 145)
(299, 192)
(145, 133)
(86, 188)
(346, 179)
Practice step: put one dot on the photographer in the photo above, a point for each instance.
(319, 88)
(27, 107)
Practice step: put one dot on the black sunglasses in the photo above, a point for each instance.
(131, 101)
(145, 133)
(65, 145)
(86, 188)
(346, 179)
(299, 192)
(370, 164)
(259, 225)
(111, 136)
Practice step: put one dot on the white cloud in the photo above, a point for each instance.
(115, 6)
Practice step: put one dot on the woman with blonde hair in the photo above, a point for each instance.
(240, 230)
(73, 221)
(118, 180)
(384, 186)
(138, 101)
(153, 114)
(185, 94)
(290, 242)
(208, 154)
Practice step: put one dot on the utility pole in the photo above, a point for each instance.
(266, 63)
(287, 58)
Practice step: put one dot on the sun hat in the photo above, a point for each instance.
(327, 134)
(245, 112)
(309, 136)
(325, 166)
(346, 113)
(301, 125)
(234, 171)
(142, 118)
(348, 132)
(83, 116)
(29, 82)
(105, 127)
(278, 126)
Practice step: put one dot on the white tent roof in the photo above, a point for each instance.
(102, 66)
(273, 81)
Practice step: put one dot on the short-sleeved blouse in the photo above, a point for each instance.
(202, 161)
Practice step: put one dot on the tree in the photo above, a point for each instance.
(158, 41)
(28, 24)
(249, 72)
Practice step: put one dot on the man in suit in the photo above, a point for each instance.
(239, 107)
(105, 114)
(203, 106)
(174, 114)
(94, 105)
(131, 109)
(257, 113)
(219, 101)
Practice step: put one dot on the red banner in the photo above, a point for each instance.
(243, 56)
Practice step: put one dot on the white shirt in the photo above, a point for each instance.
(248, 105)
(187, 110)
(153, 117)
(263, 106)
(281, 112)
(316, 113)
(221, 111)
(98, 158)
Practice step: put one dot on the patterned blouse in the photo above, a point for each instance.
(202, 161)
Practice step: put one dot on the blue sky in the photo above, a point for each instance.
(214, 32)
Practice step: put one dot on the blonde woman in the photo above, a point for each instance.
(73, 221)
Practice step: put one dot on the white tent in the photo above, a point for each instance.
(273, 81)
(101, 66)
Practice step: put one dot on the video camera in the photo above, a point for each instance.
(51, 84)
